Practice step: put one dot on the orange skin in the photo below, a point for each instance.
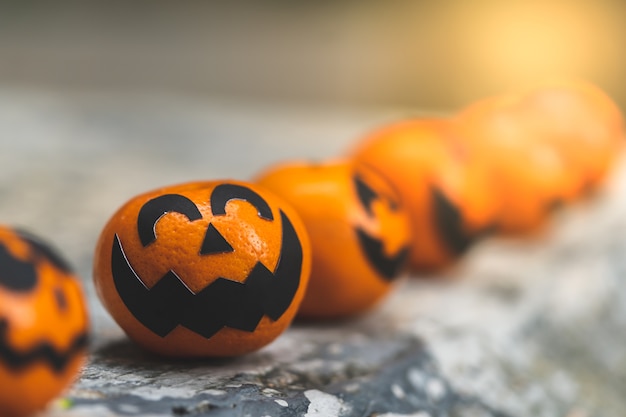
(177, 248)
(530, 178)
(580, 121)
(52, 312)
(344, 281)
(544, 147)
(419, 157)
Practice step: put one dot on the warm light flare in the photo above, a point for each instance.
(519, 42)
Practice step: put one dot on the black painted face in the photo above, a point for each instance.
(389, 267)
(224, 302)
(15, 274)
(19, 275)
(22, 278)
(44, 352)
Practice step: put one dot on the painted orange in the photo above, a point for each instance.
(428, 163)
(42, 310)
(339, 202)
(177, 248)
(544, 146)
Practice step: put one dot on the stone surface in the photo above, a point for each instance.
(531, 327)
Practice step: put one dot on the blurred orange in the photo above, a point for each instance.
(447, 194)
(581, 121)
(544, 147)
(528, 178)
(44, 324)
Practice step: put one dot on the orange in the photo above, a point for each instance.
(529, 177)
(447, 195)
(581, 121)
(43, 324)
(359, 233)
(202, 269)
(545, 146)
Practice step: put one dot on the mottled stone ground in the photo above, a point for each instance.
(530, 327)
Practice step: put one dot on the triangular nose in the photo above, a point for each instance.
(214, 242)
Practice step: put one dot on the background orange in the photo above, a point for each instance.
(343, 280)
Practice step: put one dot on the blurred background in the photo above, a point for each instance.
(423, 54)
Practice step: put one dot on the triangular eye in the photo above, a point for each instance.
(15, 274)
(214, 242)
(365, 193)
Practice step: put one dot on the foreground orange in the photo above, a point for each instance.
(203, 269)
(446, 193)
(359, 233)
(43, 324)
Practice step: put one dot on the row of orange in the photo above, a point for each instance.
(501, 165)
(221, 268)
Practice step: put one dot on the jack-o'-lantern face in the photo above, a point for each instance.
(43, 323)
(202, 269)
(446, 195)
(359, 233)
(381, 229)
